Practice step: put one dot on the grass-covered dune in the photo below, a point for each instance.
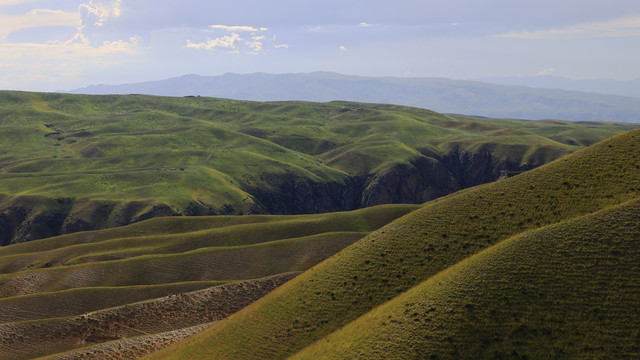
(413, 251)
(159, 275)
(70, 163)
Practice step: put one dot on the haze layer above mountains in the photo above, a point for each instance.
(438, 94)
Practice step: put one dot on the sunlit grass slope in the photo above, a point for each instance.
(416, 247)
(569, 290)
(69, 273)
(179, 235)
(76, 162)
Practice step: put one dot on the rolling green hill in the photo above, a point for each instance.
(72, 163)
(159, 275)
(569, 290)
(421, 257)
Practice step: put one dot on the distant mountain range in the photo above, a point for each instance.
(602, 86)
(438, 94)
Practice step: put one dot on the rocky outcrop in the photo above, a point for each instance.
(422, 180)
(302, 196)
(425, 178)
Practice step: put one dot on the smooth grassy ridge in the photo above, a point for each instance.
(568, 290)
(112, 160)
(179, 235)
(206, 264)
(414, 248)
(82, 300)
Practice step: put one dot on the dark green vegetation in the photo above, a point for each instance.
(72, 163)
(541, 265)
(159, 275)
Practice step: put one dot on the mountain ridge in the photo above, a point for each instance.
(443, 95)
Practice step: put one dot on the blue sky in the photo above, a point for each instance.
(55, 45)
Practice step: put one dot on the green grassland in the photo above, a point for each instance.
(569, 290)
(73, 162)
(180, 235)
(420, 251)
(54, 283)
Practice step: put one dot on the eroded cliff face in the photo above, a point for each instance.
(425, 178)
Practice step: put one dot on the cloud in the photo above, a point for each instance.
(235, 28)
(364, 24)
(99, 12)
(544, 72)
(233, 43)
(37, 18)
(230, 43)
(281, 46)
(15, 2)
(255, 46)
(621, 27)
(342, 48)
(46, 64)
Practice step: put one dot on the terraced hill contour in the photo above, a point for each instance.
(72, 163)
(159, 278)
(418, 262)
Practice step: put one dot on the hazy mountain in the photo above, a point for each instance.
(438, 94)
(602, 86)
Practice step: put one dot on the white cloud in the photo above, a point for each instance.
(342, 48)
(61, 49)
(621, 27)
(230, 43)
(233, 42)
(100, 11)
(37, 18)
(15, 2)
(235, 28)
(44, 65)
(255, 46)
(544, 72)
(281, 46)
(364, 24)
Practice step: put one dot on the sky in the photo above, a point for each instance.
(66, 44)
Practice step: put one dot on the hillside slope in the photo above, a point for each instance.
(569, 290)
(72, 163)
(164, 274)
(416, 247)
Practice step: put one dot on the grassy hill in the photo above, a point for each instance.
(420, 251)
(568, 290)
(72, 163)
(159, 275)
